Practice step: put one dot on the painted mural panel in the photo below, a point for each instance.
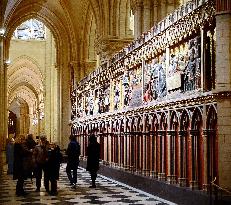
(154, 75)
(184, 70)
(133, 94)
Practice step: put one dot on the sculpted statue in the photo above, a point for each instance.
(116, 96)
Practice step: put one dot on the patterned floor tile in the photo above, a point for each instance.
(108, 192)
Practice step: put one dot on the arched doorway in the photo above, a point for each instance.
(20, 109)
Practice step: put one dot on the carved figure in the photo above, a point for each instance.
(116, 96)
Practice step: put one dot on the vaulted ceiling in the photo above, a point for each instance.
(71, 21)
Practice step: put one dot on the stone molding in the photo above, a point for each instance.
(158, 107)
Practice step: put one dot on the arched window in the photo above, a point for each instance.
(31, 29)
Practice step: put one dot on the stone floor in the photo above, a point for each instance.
(108, 192)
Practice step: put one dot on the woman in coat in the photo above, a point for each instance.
(93, 155)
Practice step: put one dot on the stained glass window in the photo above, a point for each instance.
(31, 29)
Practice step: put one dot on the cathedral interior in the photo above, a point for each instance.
(151, 78)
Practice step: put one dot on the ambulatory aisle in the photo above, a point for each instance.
(108, 192)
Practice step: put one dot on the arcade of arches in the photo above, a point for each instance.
(151, 78)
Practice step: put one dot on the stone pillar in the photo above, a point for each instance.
(155, 12)
(137, 8)
(3, 94)
(146, 16)
(223, 75)
(163, 9)
(65, 104)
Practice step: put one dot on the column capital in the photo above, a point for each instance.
(136, 4)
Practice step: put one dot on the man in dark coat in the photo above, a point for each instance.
(93, 155)
(54, 161)
(30, 144)
(73, 152)
(21, 153)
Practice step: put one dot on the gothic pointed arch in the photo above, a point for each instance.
(197, 148)
(174, 148)
(183, 148)
(212, 146)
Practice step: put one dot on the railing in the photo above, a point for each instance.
(218, 193)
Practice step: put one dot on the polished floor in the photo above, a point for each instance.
(107, 192)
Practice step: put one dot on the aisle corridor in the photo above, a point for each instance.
(107, 192)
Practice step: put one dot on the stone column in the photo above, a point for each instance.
(146, 16)
(138, 20)
(65, 104)
(223, 75)
(38, 117)
(155, 12)
(3, 93)
(163, 9)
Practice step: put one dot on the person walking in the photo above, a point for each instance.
(93, 155)
(72, 152)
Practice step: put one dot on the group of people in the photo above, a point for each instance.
(27, 158)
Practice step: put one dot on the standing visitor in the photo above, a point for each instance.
(30, 144)
(53, 162)
(20, 164)
(93, 155)
(40, 159)
(73, 152)
(10, 155)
